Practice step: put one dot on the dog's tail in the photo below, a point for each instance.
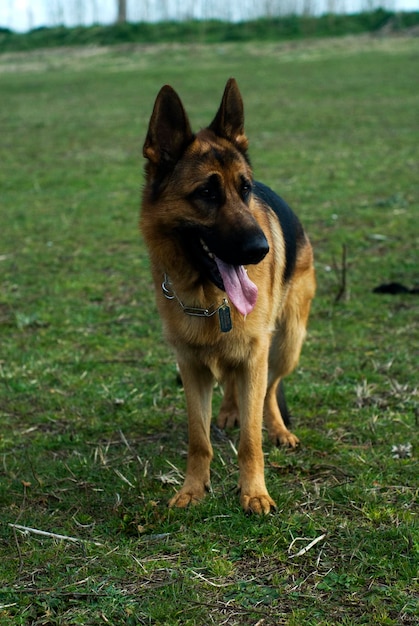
(282, 403)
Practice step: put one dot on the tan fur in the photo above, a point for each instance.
(260, 349)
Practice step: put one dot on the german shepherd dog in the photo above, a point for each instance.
(233, 275)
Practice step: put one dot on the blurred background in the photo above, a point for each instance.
(24, 15)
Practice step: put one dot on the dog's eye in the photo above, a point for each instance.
(245, 189)
(209, 192)
(206, 193)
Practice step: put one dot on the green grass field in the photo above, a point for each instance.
(93, 430)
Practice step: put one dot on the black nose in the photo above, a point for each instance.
(238, 246)
(254, 249)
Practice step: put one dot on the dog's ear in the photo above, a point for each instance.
(229, 120)
(169, 131)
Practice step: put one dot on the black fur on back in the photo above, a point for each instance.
(291, 227)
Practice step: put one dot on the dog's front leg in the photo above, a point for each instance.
(198, 384)
(252, 382)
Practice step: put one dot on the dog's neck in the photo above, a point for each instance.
(222, 309)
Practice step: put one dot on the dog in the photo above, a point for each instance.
(234, 278)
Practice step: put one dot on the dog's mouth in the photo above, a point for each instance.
(232, 279)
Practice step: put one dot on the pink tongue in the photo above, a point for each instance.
(239, 288)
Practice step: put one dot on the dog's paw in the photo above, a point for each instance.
(183, 499)
(227, 419)
(284, 438)
(259, 505)
(187, 497)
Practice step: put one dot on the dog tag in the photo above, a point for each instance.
(225, 318)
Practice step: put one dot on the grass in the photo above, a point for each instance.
(93, 429)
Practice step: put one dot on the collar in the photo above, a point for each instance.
(223, 309)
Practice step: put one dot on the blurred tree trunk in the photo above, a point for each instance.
(122, 11)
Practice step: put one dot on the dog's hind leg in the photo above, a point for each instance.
(285, 352)
(228, 416)
(198, 384)
(276, 420)
(282, 404)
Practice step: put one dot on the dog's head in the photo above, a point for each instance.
(199, 189)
